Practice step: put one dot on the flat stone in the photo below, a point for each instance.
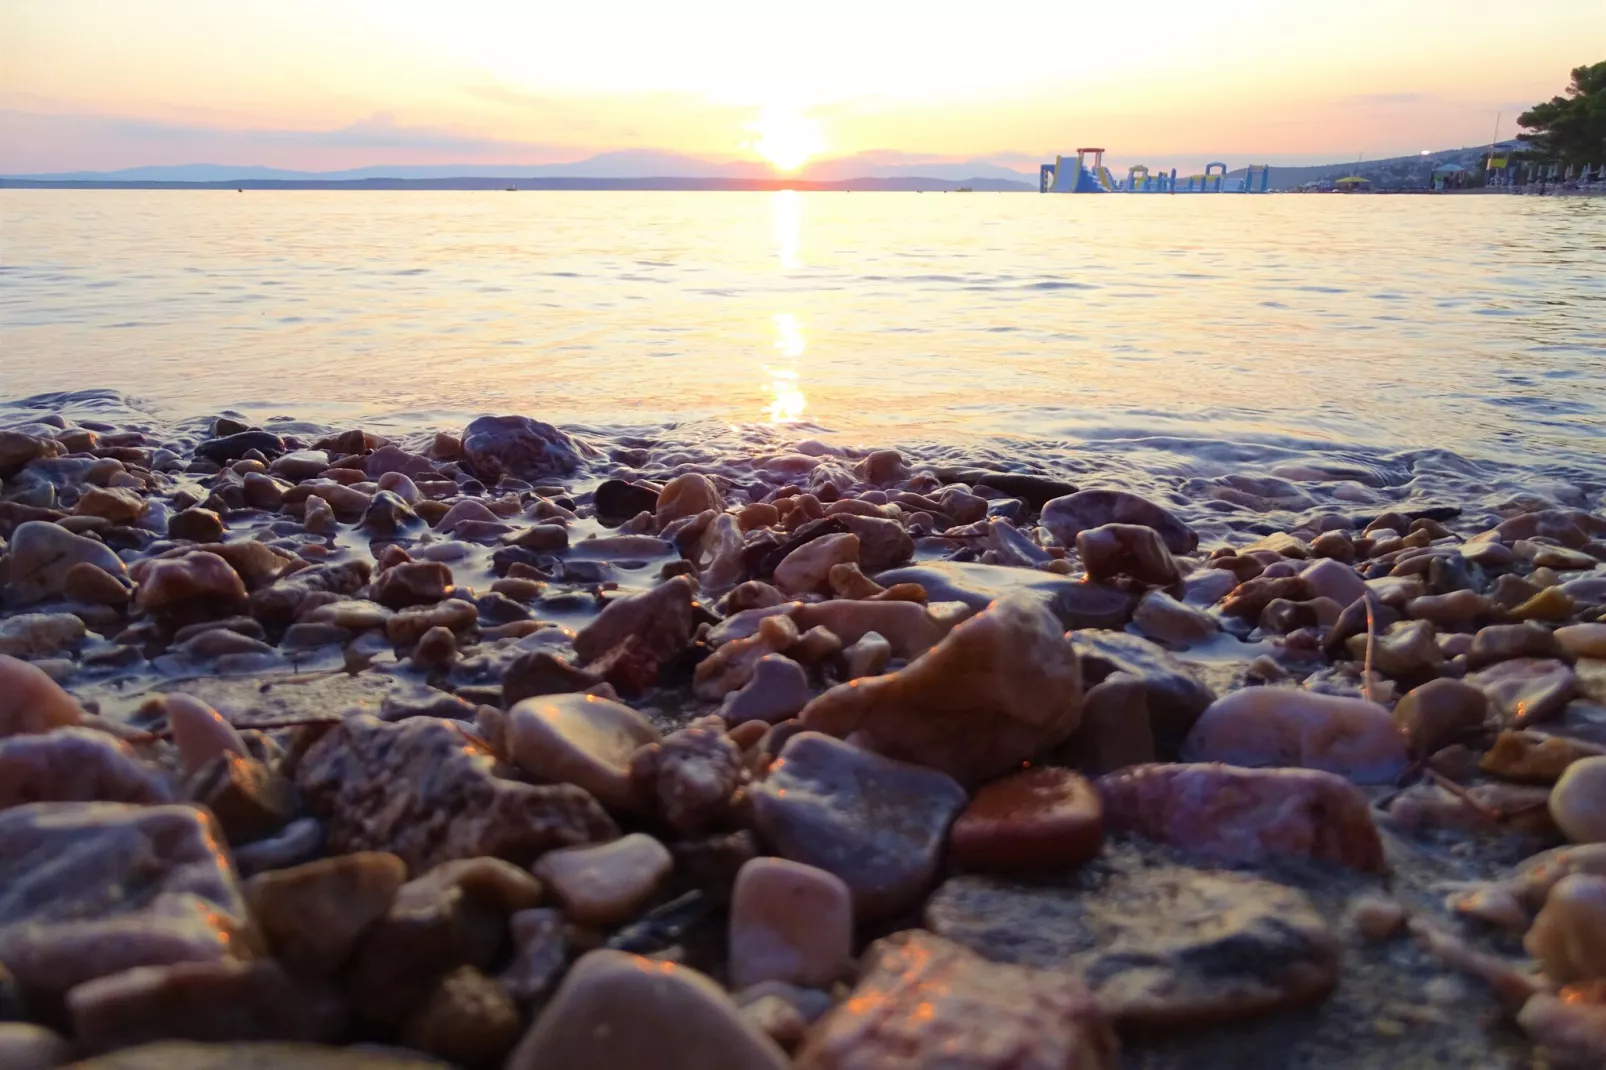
(1074, 603)
(412, 583)
(77, 765)
(582, 740)
(614, 1011)
(691, 775)
(778, 691)
(1001, 687)
(1038, 819)
(40, 555)
(608, 883)
(427, 791)
(1166, 620)
(1160, 948)
(1583, 640)
(1330, 578)
(1578, 803)
(1072, 514)
(1284, 726)
(1523, 691)
(1439, 713)
(878, 824)
(233, 447)
(1534, 757)
(313, 915)
(923, 1001)
(1502, 642)
(1175, 697)
(517, 446)
(789, 922)
(90, 889)
(1233, 814)
(1569, 935)
(207, 1001)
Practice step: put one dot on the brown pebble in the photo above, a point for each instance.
(1038, 819)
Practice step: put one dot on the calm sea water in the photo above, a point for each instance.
(1382, 340)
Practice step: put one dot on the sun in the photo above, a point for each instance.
(787, 138)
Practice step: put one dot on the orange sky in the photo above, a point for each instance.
(329, 84)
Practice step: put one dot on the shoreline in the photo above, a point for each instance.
(456, 670)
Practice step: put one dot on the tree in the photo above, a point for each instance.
(1571, 130)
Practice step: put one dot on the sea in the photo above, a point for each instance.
(1270, 354)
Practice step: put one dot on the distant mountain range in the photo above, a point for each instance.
(610, 170)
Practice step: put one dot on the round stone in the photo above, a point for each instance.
(1578, 803)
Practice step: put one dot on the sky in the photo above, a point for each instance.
(334, 84)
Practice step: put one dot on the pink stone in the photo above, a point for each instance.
(607, 883)
(789, 922)
(580, 739)
(1284, 726)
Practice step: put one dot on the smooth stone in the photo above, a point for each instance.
(883, 543)
(31, 702)
(878, 824)
(206, 1001)
(1439, 713)
(77, 765)
(195, 525)
(1459, 610)
(1523, 691)
(789, 922)
(617, 500)
(1569, 935)
(426, 790)
(1076, 604)
(18, 450)
(25, 1046)
(687, 495)
(1284, 726)
(778, 691)
(1571, 1028)
(616, 1010)
(41, 554)
(245, 1055)
(166, 581)
(923, 1001)
(580, 739)
(1534, 757)
(868, 656)
(92, 889)
(1175, 698)
(517, 446)
(116, 504)
(1072, 514)
(412, 583)
(1408, 648)
(1112, 550)
(1589, 676)
(1037, 819)
(314, 915)
(1550, 604)
(409, 625)
(233, 447)
(807, 569)
(541, 672)
(199, 731)
(1166, 620)
(910, 628)
(1330, 578)
(606, 884)
(692, 774)
(39, 635)
(1578, 802)
(732, 665)
(1583, 640)
(1116, 730)
(299, 841)
(1160, 948)
(1234, 814)
(95, 586)
(660, 620)
(1503, 642)
(1000, 687)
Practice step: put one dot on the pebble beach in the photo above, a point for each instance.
(507, 744)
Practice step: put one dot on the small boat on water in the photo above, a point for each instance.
(511, 189)
(964, 189)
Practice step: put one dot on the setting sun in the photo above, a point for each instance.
(787, 138)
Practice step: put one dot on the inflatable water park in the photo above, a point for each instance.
(1079, 175)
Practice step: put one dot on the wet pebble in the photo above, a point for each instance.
(1282, 726)
(789, 922)
(1037, 819)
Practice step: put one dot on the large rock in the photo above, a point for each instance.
(878, 824)
(314, 914)
(517, 446)
(616, 1010)
(1001, 687)
(90, 889)
(1067, 517)
(1439, 713)
(194, 577)
(41, 554)
(584, 740)
(1036, 819)
(923, 1001)
(1159, 947)
(77, 765)
(1074, 603)
(1245, 815)
(210, 1001)
(1284, 726)
(188, 1055)
(31, 701)
(425, 790)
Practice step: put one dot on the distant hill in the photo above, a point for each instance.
(866, 185)
(1396, 172)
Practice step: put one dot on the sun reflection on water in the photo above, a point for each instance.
(788, 401)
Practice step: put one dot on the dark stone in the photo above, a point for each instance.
(187, 1055)
(1175, 697)
(1036, 491)
(618, 501)
(541, 672)
(1074, 513)
(195, 525)
(389, 514)
(494, 446)
(233, 447)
